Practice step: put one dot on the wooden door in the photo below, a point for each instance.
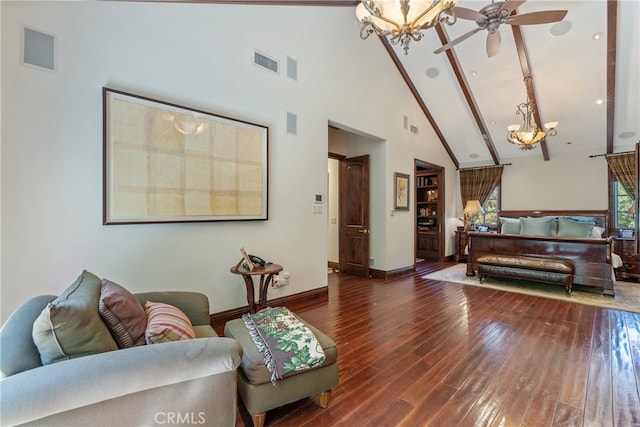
(637, 202)
(354, 216)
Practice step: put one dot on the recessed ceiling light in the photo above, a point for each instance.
(474, 73)
(568, 142)
(597, 36)
(560, 28)
(473, 155)
(599, 101)
(432, 72)
(626, 135)
(493, 122)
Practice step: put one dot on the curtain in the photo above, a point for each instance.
(478, 183)
(623, 168)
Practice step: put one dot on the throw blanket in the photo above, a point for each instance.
(287, 344)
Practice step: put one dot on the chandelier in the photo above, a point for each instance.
(402, 20)
(529, 134)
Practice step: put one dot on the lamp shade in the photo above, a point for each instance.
(473, 207)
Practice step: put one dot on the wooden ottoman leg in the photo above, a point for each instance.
(258, 419)
(324, 398)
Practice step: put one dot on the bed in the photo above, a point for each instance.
(579, 237)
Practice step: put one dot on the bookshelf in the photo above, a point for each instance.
(428, 216)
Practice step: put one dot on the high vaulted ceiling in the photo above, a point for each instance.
(472, 98)
(584, 74)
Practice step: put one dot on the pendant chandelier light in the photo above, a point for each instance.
(528, 134)
(402, 20)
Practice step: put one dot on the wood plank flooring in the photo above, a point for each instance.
(416, 352)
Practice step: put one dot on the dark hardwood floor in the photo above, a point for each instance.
(416, 352)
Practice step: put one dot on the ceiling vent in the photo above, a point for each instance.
(414, 129)
(265, 61)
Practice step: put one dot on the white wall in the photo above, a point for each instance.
(200, 55)
(568, 181)
(197, 55)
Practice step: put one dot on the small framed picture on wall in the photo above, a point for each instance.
(401, 191)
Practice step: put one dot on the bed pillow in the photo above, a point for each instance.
(597, 232)
(571, 228)
(536, 226)
(510, 225)
(166, 323)
(123, 315)
(70, 326)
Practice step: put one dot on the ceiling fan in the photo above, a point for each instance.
(493, 15)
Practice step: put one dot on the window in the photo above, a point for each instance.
(490, 207)
(622, 205)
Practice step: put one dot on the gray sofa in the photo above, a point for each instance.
(183, 382)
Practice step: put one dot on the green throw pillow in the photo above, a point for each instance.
(510, 225)
(536, 226)
(70, 326)
(571, 228)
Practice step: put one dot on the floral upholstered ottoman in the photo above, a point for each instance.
(301, 361)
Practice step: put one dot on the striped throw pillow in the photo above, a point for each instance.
(166, 323)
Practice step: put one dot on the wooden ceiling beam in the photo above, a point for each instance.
(528, 81)
(612, 30)
(468, 95)
(348, 3)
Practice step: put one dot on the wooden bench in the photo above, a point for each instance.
(535, 269)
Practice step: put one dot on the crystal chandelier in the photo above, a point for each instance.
(528, 134)
(402, 20)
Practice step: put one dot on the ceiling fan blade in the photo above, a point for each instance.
(493, 43)
(470, 14)
(456, 41)
(543, 17)
(511, 5)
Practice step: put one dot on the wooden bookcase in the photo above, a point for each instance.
(428, 215)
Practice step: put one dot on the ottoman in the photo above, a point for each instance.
(254, 380)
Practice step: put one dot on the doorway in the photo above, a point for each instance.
(351, 215)
(429, 212)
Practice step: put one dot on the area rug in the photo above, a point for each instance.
(627, 294)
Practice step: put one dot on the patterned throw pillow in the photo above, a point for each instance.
(166, 323)
(123, 314)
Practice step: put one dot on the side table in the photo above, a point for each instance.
(462, 240)
(266, 273)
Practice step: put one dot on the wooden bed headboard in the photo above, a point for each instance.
(601, 218)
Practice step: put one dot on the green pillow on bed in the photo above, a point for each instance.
(536, 226)
(510, 225)
(571, 228)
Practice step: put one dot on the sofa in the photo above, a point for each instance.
(184, 382)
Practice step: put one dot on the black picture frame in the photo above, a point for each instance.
(165, 162)
(401, 191)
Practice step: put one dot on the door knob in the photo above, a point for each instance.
(363, 230)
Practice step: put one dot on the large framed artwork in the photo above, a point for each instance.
(168, 163)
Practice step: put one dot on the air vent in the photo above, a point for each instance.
(414, 129)
(292, 68)
(265, 62)
(38, 49)
(292, 123)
